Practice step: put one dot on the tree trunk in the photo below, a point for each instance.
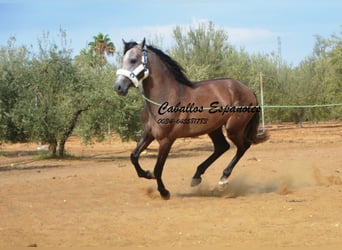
(53, 147)
(299, 117)
(67, 133)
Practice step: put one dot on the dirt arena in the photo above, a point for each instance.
(286, 192)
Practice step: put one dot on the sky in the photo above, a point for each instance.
(255, 25)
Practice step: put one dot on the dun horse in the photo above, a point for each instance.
(175, 107)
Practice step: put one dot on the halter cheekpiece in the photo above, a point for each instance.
(140, 73)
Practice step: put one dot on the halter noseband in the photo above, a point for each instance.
(139, 74)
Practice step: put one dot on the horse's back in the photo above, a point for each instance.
(231, 90)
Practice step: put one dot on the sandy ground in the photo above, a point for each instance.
(286, 192)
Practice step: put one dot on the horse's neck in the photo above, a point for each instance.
(161, 90)
(161, 86)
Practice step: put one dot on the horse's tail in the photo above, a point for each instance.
(252, 133)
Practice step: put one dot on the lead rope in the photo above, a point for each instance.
(149, 100)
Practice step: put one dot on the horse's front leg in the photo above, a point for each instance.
(145, 140)
(163, 152)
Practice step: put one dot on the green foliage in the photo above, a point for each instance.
(13, 61)
(129, 115)
(122, 115)
(51, 97)
(201, 51)
(44, 94)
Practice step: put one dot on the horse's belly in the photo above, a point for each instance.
(197, 124)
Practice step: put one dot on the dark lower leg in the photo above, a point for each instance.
(220, 146)
(164, 149)
(145, 140)
(236, 126)
(228, 170)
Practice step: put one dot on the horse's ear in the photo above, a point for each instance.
(126, 46)
(143, 43)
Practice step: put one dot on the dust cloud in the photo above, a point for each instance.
(282, 183)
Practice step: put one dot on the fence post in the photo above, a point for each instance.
(262, 102)
(109, 134)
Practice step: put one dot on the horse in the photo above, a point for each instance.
(176, 107)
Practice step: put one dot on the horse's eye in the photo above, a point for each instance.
(133, 60)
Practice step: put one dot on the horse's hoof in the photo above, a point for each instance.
(223, 181)
(195, 181)
(165, 194)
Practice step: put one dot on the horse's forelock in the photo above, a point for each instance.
(129, 45)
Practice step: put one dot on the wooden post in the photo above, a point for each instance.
(262, 102)
(109, 134)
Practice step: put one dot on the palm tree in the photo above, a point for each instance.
(101, 46)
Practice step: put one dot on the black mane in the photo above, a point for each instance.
(176, 70)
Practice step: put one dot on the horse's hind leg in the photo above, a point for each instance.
(145, 140)
(220, 146)
(242, 143)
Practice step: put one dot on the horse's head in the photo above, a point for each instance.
(134, 67)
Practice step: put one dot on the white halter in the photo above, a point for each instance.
(136, 75)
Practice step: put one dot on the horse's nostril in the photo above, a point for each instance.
(120, 89)
(117, 87)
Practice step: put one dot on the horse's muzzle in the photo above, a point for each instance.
(121, 87)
